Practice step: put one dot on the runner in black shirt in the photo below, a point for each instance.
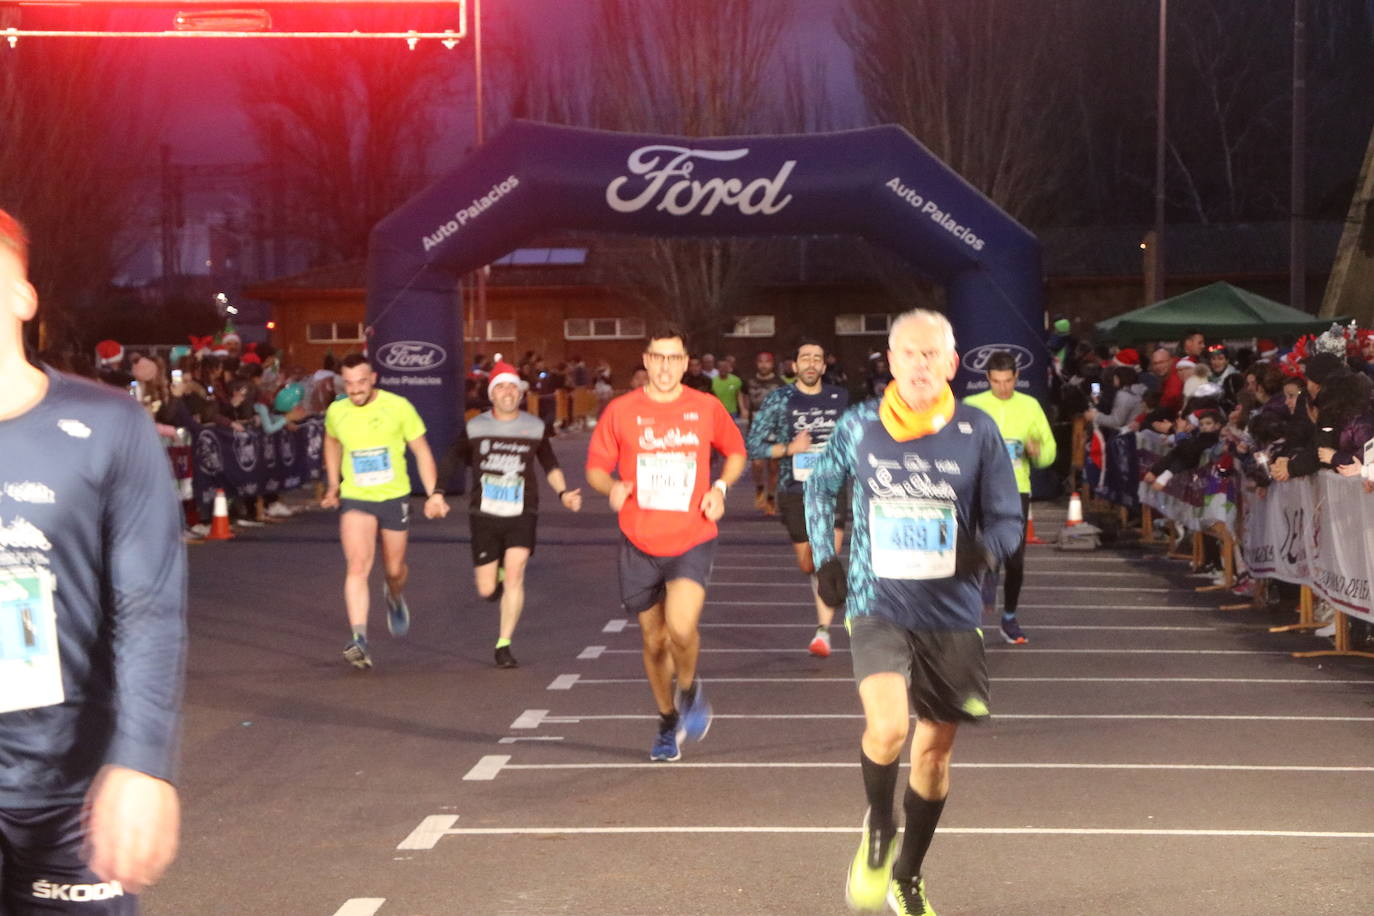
(502, 446)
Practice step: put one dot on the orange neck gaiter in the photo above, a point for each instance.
(905, 423)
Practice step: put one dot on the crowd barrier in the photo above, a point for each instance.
(1315, 532)
(247, 463)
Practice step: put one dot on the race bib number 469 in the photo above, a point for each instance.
(912, 538)
(30, 667)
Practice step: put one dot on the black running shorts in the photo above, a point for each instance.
(391, 514)
(41, 870)
(493, 535)
(644, 578)
(792, 511)
(945, 670)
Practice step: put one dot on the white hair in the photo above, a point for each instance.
(940, 322)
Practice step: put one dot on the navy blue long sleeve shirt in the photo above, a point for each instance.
(87, 505)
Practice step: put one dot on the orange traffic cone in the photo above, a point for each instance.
(219, 525)
(1030, 528)
(1075, 511)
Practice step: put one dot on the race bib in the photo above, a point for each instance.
(371, 467)
(30, 667)
(503, 494)
(912, 538)
(803, 463)
(1015, 450)
(665, 481)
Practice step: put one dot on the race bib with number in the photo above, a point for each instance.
(665, 481)
(803, 463)
(912, 538)
(372, 467)
(503, 494)
(30, 666)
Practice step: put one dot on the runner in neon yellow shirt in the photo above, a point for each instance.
(366, 436)
(1026, 432)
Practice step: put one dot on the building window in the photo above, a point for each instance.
(603, 328)
(753, 326)
(331, 332)
(855, 325)
(497, 329)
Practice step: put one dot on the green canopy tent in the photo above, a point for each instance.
(1219, 310)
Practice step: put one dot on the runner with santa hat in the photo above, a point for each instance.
(501, 446)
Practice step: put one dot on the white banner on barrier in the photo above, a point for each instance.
(1341, 525)
(1316, 531)
(1274, 543)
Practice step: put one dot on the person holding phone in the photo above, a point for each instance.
(1026, 432)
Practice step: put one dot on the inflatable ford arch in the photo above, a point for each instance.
(877, 183)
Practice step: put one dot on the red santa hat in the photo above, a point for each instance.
(1184, 364)
(1267, 349)
(109, 352)
(501, 373)
(1128, 357)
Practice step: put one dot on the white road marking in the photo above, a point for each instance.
(826, 765)
(563, 682)
(615, 626)
(1037, 626)
(1146, 716)
(531, 738)
(955, 831)
(806, 605)
(530, 718)
(487, 768)
(993, 647)
(431, 830)
(1017, 680)
(592, 652)
(360, 906)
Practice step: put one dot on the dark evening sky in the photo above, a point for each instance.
(193, 81)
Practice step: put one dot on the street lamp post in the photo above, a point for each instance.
(479, 324)
(1161, 138)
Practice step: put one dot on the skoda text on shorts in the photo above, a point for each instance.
(92, 632)
(792, 426)
(659, 440)
(501, 447)
(366, 436)
(1026, 433)
(929, 474)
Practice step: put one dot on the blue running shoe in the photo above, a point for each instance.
(355, 653)
(694, 719)
(665, 749)
(1012, 633)
(397, 614)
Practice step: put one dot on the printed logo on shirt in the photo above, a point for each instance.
(965, 428)
(23, 534)
(484, 446)
(945, 466)
(673, 438)
(30, 492)
(875, 462)
(913, 462)
(886, 485)
(50, 890)
(74, 428)
(691, 416)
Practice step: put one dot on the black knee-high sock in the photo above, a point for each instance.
(880, 781)
(921, 817)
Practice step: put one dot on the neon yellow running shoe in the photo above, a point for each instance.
(907, 897)
(871, 871)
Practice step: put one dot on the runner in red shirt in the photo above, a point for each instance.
(659, 440)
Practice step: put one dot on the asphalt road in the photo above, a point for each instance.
(1148, 754)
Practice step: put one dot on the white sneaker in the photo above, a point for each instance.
(1328, 630)
(249, 523)
(199, 531)
(280, 510)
